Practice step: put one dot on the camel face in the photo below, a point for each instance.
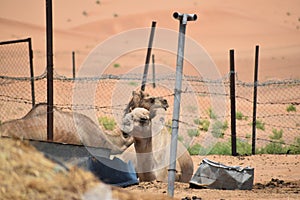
(144, 100)
(136, 123)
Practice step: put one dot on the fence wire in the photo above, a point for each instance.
(201, 121)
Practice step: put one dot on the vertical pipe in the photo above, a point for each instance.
(73, 64)
(153, 71)
(255, 99)
(176, 109)
(148, 56)
(49, 38)
(183, 19)
(31, 71)
(232, 102)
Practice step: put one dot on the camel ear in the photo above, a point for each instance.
(134, 93)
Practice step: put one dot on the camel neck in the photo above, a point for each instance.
(144, 157)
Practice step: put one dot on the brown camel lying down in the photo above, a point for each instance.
(72, 127)
(69, 127)
(150, 153)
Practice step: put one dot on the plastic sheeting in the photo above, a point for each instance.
(215, 175)
(114, 172)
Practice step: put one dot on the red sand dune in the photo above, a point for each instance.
(80, 25)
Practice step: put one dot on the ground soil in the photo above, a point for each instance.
(26, 174)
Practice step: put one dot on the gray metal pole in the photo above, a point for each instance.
(183, 18)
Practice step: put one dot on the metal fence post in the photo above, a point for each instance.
(49, 36)
(183, 18)
(31, 71)
(255, 99)
(153, 71)
(148, 56)
(232, 103)
(73, 64)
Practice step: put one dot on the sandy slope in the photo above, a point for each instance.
(80, 25)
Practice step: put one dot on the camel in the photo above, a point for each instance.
(72, 127)
(150, 153)
(69, 127)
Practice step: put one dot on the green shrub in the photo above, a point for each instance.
(221, 148)
(248, 136)
(211, 114)
(180, 138)
(240, 116)
(276, 146)
(295, 147)
(273, 148)
(291, 108)
(193, 132)
(259, 125)
(132, 83)
(203, 124)
(117, 65)
(107, 122)
(243, 147)
(277, 135)
(219, 128)
(196, 149)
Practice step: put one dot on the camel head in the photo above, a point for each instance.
(143, 100)
(136, 121)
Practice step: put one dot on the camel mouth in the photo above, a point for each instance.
(165, 107)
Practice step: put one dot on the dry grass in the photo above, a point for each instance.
(26, 174)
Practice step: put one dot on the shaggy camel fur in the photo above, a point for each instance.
(69, 127)
(150, 154)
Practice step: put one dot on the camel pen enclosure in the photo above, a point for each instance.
(277, 121)
(205, 124)
(201, 129)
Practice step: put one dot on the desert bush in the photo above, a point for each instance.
(276, 146)
(211, 114)
(193, 132)
(259, 125)
(291, 108)
(240, 116)
(219, 128)
(203, 124)
(107, 122)
(221, 148)
(196, 149)
(117, 65)
(295, 147)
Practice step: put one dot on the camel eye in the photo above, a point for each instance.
(152, 100)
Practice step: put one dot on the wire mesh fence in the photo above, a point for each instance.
(203, 124)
